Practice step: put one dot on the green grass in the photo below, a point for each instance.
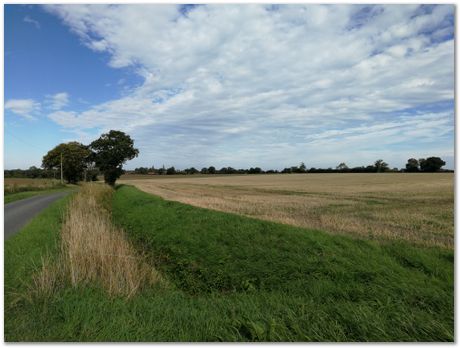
(12, 197)
(234, 278)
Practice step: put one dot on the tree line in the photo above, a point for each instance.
(430, 164)
(78, 162)
(107, 155)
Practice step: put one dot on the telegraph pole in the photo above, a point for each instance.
(62, 177)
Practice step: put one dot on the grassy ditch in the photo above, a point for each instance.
(226, 277)
(300, 284)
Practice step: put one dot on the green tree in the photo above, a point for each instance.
(171, 171)
(75, 159)
(212, 170)
(342, 167)
(412, 165)
(381, 166)
(431, 164)
(111, 151)
(302, 168)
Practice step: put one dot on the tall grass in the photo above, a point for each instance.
(93, 251)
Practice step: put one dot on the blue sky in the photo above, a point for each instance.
(232, 85)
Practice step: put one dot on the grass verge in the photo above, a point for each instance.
(27, 194)
(23, 255)
(234, 278)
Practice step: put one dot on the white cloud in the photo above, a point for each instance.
(23, 107)
(30, 20)
(235, 81)
(58, 100)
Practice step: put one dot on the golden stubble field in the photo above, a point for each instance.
(415, 207)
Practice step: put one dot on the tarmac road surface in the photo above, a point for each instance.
(19, 213)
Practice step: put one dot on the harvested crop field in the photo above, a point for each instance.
(415, 207)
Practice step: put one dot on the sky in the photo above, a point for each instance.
(232, 85)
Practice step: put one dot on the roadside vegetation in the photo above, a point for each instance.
(16, 185)
(92, 250)
(23, 254)
(20, 188)
(214, 276)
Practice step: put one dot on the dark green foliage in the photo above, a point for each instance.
(171, 171)
(431, 164)
(75, 157)
(302, 167)
(141, 170)
(191, 170)
(255, 170)
(33, 172)
(342, 167)
(381, 166)
(111, 151)
(412, 165)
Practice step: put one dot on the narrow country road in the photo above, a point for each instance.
(19, 213)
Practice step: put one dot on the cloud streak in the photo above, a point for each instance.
(32, 21)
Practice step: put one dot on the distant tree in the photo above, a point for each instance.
(255, 170)
(381, 166)
(204, 170)
(191, 170)
(162, 170)
(75, 158)
(295, 169)
(370, 169)
(431, 164)
(111, 151)
(33, 172)
(342, 167)
(141, 170)
(287, 171)
(412, 165)
(302, 168)
(212, 170)
(171, 171)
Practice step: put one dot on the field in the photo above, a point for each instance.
(20, 188)
(217, 277)
(418, 208)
